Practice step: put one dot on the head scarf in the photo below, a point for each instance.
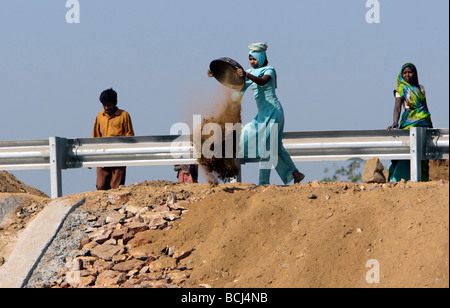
(412, 95)
(258, 51)
(414, 69)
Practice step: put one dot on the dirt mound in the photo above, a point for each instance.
(239, 235)
(165, 234)
(439, 169)
(10, 184)
(314, 235)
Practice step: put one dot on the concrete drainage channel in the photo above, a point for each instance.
(44, 235)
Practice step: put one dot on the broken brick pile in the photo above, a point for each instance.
(111, 254)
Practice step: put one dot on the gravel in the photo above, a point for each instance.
(65, 244)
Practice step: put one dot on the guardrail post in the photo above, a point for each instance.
(417, 144)
(238, 178)
(57, 163)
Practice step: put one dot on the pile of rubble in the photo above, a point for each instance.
(113, 252)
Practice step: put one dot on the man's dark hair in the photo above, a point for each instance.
(108, 96)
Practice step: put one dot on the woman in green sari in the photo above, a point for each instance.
(409, 95)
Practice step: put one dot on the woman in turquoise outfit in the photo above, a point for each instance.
(262, 137)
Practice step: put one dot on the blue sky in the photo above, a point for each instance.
(335, 70)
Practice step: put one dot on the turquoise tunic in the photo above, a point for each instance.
(262, 137)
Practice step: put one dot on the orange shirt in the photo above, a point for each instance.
(119, 124)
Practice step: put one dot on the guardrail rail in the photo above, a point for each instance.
(58, 153)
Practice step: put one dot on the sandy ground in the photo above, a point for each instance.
(305, 235)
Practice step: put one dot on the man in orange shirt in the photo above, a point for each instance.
(111, 122)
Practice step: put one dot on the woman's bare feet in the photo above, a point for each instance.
(298, 176)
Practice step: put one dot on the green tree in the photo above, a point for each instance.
(349, 173)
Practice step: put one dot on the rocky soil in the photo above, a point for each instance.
(170, 235)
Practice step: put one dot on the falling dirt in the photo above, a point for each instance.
(218, 163)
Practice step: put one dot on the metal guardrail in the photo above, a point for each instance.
(24, 155)
(365, 144)
(58, 153)
(128, 151)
